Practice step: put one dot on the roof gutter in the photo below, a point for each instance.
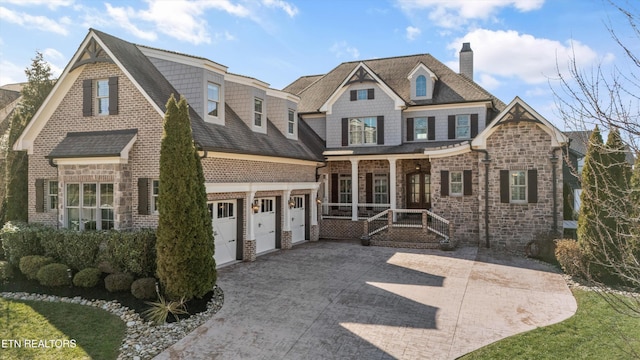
(554, 189)
(486, 162)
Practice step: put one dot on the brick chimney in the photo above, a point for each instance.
(466, 60)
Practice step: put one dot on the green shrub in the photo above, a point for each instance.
(130, 251)
(30, 265)
(159, 310)
(6, 271)
(118, 282)
(54, 275)
(20, 239)
(543, 247)
(87, 278)
(144, 288)
(570, 257)
(75, 248)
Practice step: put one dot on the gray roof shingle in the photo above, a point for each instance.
(93, 144)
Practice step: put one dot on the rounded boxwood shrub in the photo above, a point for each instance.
(54, 275)
(570, 257)
(144, 288)
(118, 282)
(6, 271)
(31, 264)
(87, 278)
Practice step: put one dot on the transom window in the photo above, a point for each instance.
(420, 128)
(89, 206)
(380, 189)
(102, 96)
(257, 112)
(421, 86)
(344, 189)
(213, 98)
(292, 121)
(455, 183)
(363, 131)
(518, 186)
(463, 126)
(155, 191)
(52, 195)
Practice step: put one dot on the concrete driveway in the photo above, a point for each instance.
(340, 300)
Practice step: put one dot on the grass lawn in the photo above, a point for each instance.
(596, 331)
(97, 333)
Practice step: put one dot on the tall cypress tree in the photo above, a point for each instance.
(618, 175)
(185, 264)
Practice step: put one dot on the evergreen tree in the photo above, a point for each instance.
(185, 264)
(618, 175)
(39, 84)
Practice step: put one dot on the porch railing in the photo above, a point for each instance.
(410, 218)
(343, 210)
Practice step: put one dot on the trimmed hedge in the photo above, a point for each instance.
(87, 278)
(54, 275)
(6, 271)
(30, 265)
(131, 251)
(118, 282)
(20, 239)
(74, 248)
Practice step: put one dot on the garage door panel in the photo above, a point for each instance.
(298, 221)
(224, 222)
(265, 225)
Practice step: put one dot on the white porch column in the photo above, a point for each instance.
(354, 189)
(314, 207)
(392, 183)
(249, 215)
(287, 211)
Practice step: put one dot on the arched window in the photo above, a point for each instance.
(421, 86)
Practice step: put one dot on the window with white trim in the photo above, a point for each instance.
(52, 195)
(213, 99)
(363, 131)
(518, 186)
(155, 191)
(463, 126)
(102, 96)
(421, 86)
(291, 122)
(257, 112)
(380, 189)
(344, 189)
(420, 128)
(455, 183)
(89, 206)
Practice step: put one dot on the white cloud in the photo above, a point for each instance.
(122, 17)
(342, 48)
(37, 22)
(412, 32)
(53, 54)
(11, 73)
(488, 82)
(290, 9)
(51, 4)
(509, 54)
(454, 13)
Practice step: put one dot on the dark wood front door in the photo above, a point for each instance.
(418, 190)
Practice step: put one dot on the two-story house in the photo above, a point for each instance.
(94, 148)
(409, 133)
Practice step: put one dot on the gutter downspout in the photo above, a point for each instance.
(486, 162)
(554, 162)
(52, 164)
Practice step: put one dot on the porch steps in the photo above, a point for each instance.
(405, 244)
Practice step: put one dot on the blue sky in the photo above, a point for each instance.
(516, 43)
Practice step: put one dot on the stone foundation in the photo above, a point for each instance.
(249, 250)
(341, 229)
(285, 240)
(314, 233)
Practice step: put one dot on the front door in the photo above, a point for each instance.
(225, 233)
(418, 190)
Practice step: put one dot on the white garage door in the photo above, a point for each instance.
(264, 222)
(225, 231)
(298, 220)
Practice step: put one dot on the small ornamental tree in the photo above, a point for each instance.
(184, 245)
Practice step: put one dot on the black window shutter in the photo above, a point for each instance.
(474, 125)
(532, 185)
(466, 182)
(334, 189)
(40, 195)
(354, 95)
(452, 126)
(380, 130)
(504, 186)
(369, 188)
(345, 131)
(87, 97)
(370, 93)
(431, 128)
(143, 196)
(409, 129)
(113, 95)
(444, 183)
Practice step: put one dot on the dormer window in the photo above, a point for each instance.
(421, 86)
(257, 112)
(291, 123)
(213, 98)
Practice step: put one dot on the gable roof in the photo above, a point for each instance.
(578, 141)
(301, 83)
(451, 87)
(94, 144)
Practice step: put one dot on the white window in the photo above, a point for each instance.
(380, 189)
(463, 126)
(102, 96)
(455, 183)
(344, 189)
(421, 86)
(420, 128)
(213, 98)
(363, 94)
(89, 206)
(518, 186)
(52, 195)
(363, 131)
(292, 121)
(155, 190)
(257, 112)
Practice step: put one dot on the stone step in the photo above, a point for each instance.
(406, 244)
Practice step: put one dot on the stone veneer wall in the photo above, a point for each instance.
(341, 229)
(520, 146)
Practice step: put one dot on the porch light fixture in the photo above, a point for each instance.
(318, 201)
(292, 203)
(255, 207)
(418, 167)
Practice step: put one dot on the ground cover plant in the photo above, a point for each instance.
(596, 331)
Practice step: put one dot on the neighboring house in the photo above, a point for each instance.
(404, 133)
(409, 133)
(94, 148)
